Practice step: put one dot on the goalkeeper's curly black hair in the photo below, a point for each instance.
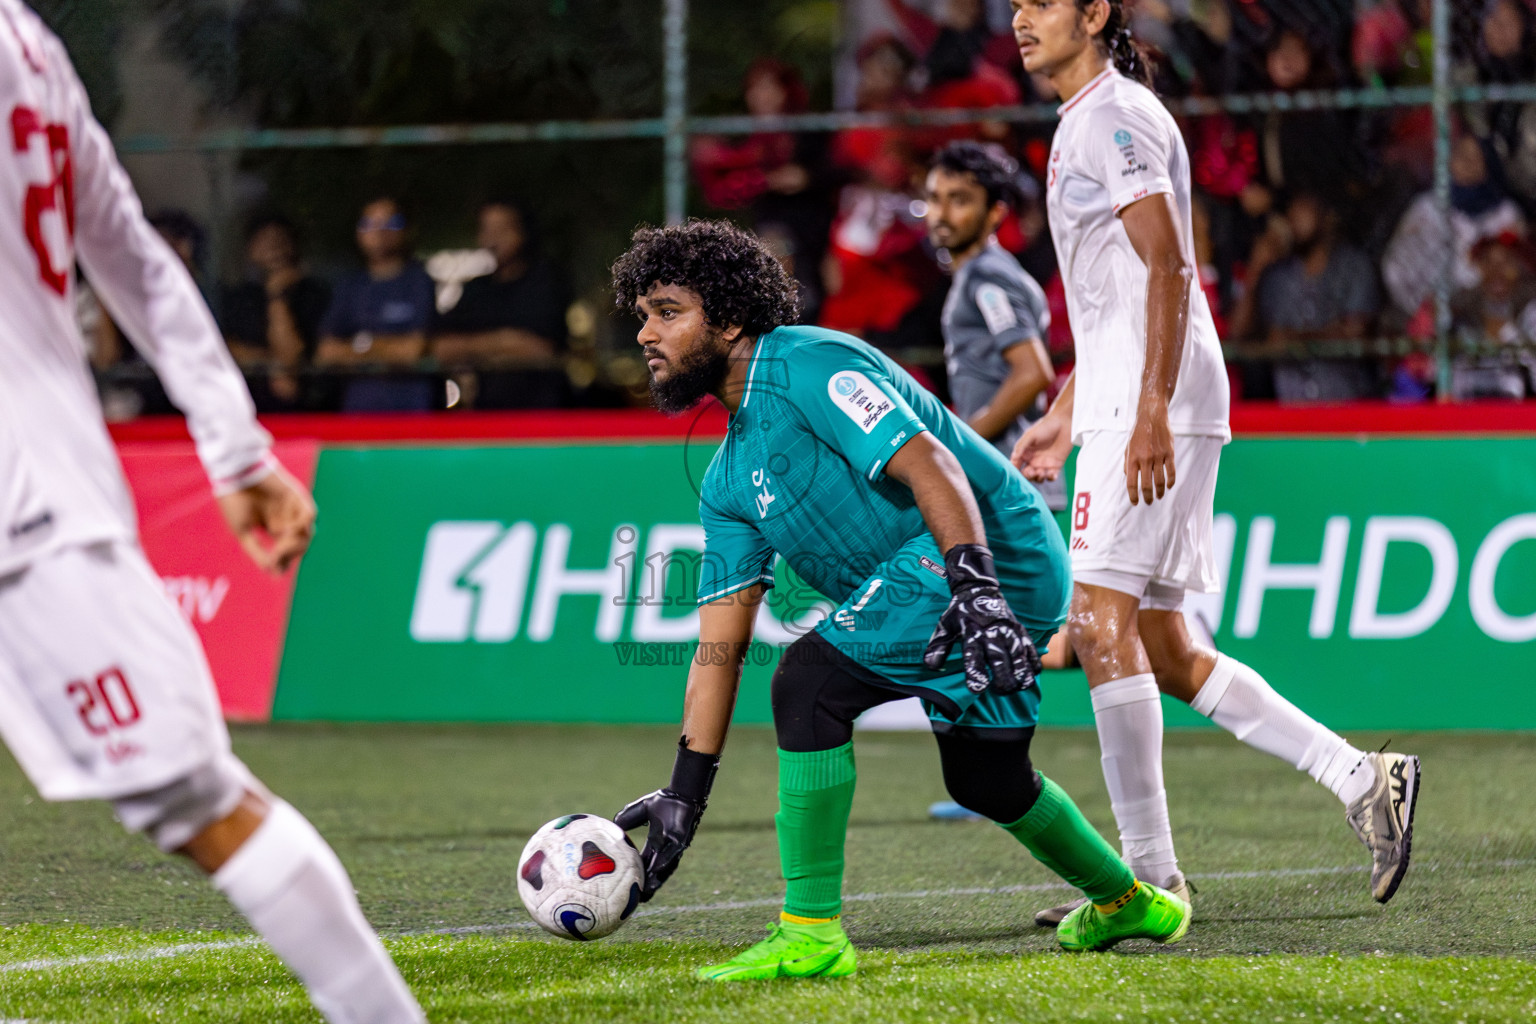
(737, 278)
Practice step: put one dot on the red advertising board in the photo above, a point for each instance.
(239, 612)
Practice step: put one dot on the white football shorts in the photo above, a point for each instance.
(1155, 552)
(104, 689)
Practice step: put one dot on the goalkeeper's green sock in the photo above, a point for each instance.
(815, 796)
(1058, 835)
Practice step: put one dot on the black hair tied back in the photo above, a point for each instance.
(1123, 50)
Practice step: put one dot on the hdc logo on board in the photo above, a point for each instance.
(489, 582)
(1325, 578)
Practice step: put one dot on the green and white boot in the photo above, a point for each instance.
(1150, 913)
(791, 950)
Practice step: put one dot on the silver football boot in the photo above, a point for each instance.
(1383, 819)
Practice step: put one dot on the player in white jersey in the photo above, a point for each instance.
(104, 690)
(1148, 406)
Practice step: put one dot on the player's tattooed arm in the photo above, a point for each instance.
(672, 813)
(1151, 224)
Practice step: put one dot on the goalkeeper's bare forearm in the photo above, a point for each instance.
(724, 625)
(941, 490)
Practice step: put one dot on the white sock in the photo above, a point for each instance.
(1129, 715)
(1238, 699)
(291, 887)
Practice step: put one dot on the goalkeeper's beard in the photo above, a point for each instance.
(696, 374)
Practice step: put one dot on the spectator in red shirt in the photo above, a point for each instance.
(958, 71)
(780, 176)
(876, 268)
(960, 25)
(735, 172)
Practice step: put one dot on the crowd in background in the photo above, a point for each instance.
(1314, 228)
(386, 337)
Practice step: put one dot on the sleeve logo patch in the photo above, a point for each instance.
(995, 308)
(855, 395)
(1132, 165)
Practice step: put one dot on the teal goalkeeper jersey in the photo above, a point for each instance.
(801, 472)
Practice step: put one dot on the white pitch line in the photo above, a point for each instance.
(192, 948)
(129, 956)
(875, 897)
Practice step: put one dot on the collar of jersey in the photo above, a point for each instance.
(992, 243)
(1082, 94)
(746, 393)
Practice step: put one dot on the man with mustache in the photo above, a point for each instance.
(1148, 404)
(942, 562)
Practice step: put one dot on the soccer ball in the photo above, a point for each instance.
(579, 876)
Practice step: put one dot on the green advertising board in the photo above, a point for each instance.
(1379, 584)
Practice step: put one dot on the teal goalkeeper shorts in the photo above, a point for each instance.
(886, 623)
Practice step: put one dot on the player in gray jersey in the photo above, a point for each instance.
(996, 314)
(993, 321)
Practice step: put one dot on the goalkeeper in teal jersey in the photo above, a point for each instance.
(946, 568)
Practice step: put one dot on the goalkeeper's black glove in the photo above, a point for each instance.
(673, 814)
(979, 618)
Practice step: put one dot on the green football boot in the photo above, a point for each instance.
(791, 951)
(1152, 913)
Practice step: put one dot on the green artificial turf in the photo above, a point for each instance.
(96, 926)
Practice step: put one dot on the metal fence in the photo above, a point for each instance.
(677, 124)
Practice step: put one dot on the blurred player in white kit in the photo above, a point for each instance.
(1148, 404)
(104, 690)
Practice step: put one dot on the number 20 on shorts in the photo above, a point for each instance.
(105, 703)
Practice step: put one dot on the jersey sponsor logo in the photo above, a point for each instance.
(933, 567)
(1128, 151)
(857, 396)
(896, 441)
(764, 497)
(996, 309)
